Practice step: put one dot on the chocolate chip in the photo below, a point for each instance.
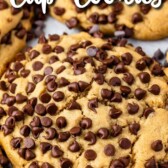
(134, 128)
(90, 154)
(73, 87)
(75, 131)
(65, 163)
(58, 96)
(116, 130)
(139, 93)
(46, 165)
(93, 104)
(132, 108)
(144, 77)
(37, 78)
(128, 78)
(63, 82)
(106, 94)
(10, 122)
(116, 98)
(51, 109)
(25, 130)
(36, 131)
(157, 145)
(158, 55)
(46, 122)
(45, 98)
(86, 123)
(120, 68)
(51, 134)
(4, 161)
(30, 87)
(56, 152)
(91, 137)
(136, 18)
(125, 143)
(3, 5)
(16, 142)
(46, 49)
(157, 70)
(71, 23)
(48, 70)
(40, 109)
(2, 112)
(36, 122)
(115, 81)
(10, 101)
(29, 143)
(26, 154)
(63, 136)
(99, 78)
(59, 11)
(141, 64)
(33, 54)
(3, 86)
(109, 150)
(61, 122)
(83, 86)
(53, 59)
(127, 58)
(74, 147)
(145, 8)
(6, 130)
(125, 91)
(28, 109)
(150, 163)
(114, 112)
(116, 163)
(51, 86)
(94, 18)
(20, 98)
(37, 66)
(154, 89)
(58, 49)
(103, 133)
(91, 51)
(34, 165)
(140, 51)
(45, 147)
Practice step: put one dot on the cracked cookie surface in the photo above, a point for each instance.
(138, 21)
(79, 101)
(14, 25)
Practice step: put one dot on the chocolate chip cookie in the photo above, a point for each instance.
(14, 25)
(83, 102)
(138, 21)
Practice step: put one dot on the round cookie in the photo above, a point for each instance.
(14, 26)
(138, 21)
(79, 101)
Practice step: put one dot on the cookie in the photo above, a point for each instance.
(138, 21)
(14, 26)
(82, 102)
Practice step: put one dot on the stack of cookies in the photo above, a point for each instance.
(83, 100)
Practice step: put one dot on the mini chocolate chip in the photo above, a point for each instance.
(45, 147)
(132, 108)
(114, 112)
(103, 133)
(74, 147)
(51, 109)
(154, 89)
(128, 78)
(51, 133)
(157, 145)
(16, 142)
(33, 54)
(125, 143)
(127, 58)
(116, 98)
(45, 98)
(58, 96)
(144, 77)
(20, 98)
(30, 87)
(71, 23)
(91, 137)
(86, 123)
(56, 152)
(29, 143)
(109, 150)
(61, 122)
(37, 66)
(115, 81)
(65, 163)
(136, 18)
(25, 130)
(90, 154)
(76, 131)
(134, 128)
(46, 49)
(93, 104)
(141, 64)
(139, 93)
(63, 136)
(150, 163)
(116, 130)
(46, 122)
(40, 109)
(91, 51)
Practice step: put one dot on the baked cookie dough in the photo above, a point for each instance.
(138, 21)
(82, 102)
(14, 25)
